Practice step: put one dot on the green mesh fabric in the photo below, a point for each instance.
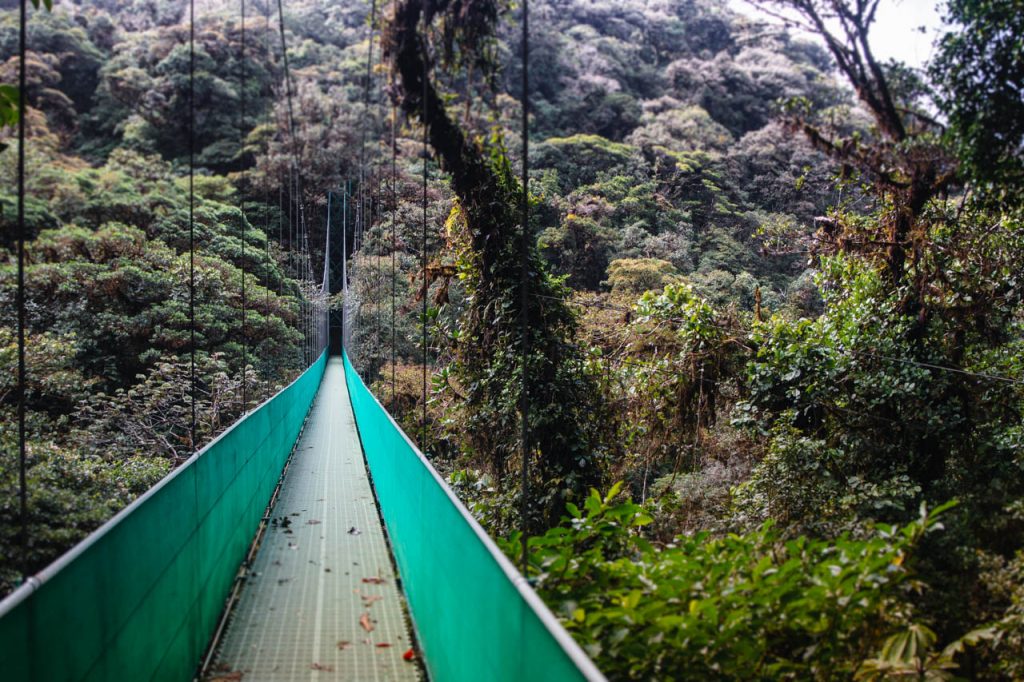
(474, 614)
(139, 599)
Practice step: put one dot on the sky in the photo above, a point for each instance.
(897, 32)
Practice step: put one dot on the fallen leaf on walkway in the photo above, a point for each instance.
(224, 673)
(292, 545)
(344, 644)
(409, 655)
(364, 620)
(354, 531)
(321, 666)
(312, 522)
(368, 599)
(226, 677)
(383, 645)
(374, 581)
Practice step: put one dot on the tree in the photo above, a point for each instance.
(902, 156)
(488, 213)
(980, 73)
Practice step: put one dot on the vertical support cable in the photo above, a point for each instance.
(325, 311)
(524, 264)
(424, 260)
(241, 227)
(344, 264)
(22, 448)
(296, 219)
(266, 293)
(327, 276)
(266, 221)
(291, 217)
(394, 242)
(191, 214)
(382, 242)
(364, 209)
(327, 259)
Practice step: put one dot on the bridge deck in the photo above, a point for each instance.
(321, 601)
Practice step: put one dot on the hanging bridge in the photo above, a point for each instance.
(318, 596)
(310, 540)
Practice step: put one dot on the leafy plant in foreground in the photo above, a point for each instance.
(750, 606)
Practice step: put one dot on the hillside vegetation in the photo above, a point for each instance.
(774, 362)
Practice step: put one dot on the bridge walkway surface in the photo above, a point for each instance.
(321, 600)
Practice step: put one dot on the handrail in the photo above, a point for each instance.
(512, 654)
(185, 538)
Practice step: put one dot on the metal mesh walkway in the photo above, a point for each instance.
(321, 601)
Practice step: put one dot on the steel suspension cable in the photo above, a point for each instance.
(241, 209)
(266, 221)
(191, 214)
(423, 259)
(344, 267)
(365, 202)
(524, 264)
(380, 264)
(326, 277)
(394, 242)
(379, 193)
(296, 220)
(22, 446)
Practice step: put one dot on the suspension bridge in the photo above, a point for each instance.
(310, 540)
(316, 541)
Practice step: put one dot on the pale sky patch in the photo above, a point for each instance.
(905, 30)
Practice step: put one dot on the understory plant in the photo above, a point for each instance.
(751, 606)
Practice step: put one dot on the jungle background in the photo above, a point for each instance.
(775, 360)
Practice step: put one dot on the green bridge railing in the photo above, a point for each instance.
(139, 598)
(475, 616)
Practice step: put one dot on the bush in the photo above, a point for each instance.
(749, 606)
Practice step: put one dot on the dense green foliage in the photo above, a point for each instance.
(774, 288)
(107, 265)
(804, 315)
(749, 606)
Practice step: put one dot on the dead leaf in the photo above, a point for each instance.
(354, 531)
(369, 599)
(383, 645)
(344, 644)
(364, 620)
(374, 581)
(227, 677)
(321, 666)
(312, 522)
(409, 655)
